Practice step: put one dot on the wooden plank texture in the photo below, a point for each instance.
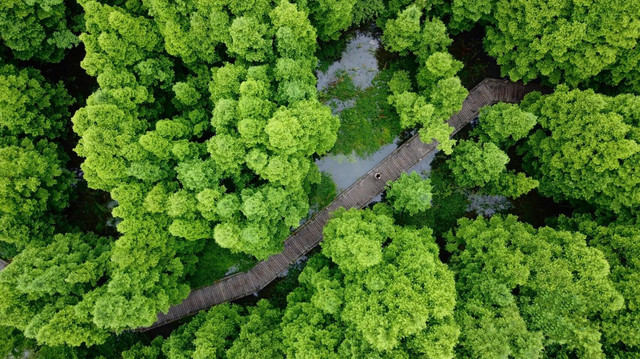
(358, 195)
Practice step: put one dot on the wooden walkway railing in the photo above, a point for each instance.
(358, 195)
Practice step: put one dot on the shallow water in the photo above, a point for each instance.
(347, 169)
(358, 61)
(487, 205)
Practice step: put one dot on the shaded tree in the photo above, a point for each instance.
(620, 244)
(203, 129)
(398, 302)
(562, 41)
(36, 29)
(483, 165)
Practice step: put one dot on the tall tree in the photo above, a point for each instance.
(409, 193)
(524, 292)
(483, 166)
(203, 129)
(563, 41)
(49, 291)
(397, 302)
(440, 92)
(620, 243)
(587, 148)
(37, 29)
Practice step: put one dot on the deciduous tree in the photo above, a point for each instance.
(587, 147)
(527, 292)
(36, 29)
(409, 193)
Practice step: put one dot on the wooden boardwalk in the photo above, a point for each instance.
(358, 195)
(3, 264)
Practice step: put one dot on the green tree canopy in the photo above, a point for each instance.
(34, 188)
(440, 92)
(503, 124)
(49, 291)
(587, 147)
(409, 193)
(562, 41)
(529, 293)
(203, 129)
(483, 165)
(30, 106)
(397, 305)
(620, 243)
(36, 29)
(228, 331)
(329, 17)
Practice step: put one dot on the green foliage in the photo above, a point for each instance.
(259, 334)
(34, 186)
(397, 304)
(139, 351)
(440, 91)
(366, 231)
(562, 41)
(342, 88)
(449, 203)
(323, 192)
(475, 164)
(620, 244)
(371, 122)
(587, 147)
(528, 293)
(33, 190)
(203, 129)
(12, 342)
(31, 106)
(49, 291)
(367, 10)
(403, 33)
(249, 39)
(465, 13)
(329, 17)
(228, 331)
(214, 262)
(410, 193)
(36, 29)
(478, 164)
(503, 124)
(208, 335)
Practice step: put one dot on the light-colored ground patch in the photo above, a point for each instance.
(487, 205)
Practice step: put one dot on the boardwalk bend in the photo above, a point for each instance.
(358, 195)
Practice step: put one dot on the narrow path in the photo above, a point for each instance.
(358, 195)
(3, 264)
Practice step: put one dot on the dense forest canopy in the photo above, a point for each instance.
(152, 147)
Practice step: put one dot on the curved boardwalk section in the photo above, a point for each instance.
(358, 195)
